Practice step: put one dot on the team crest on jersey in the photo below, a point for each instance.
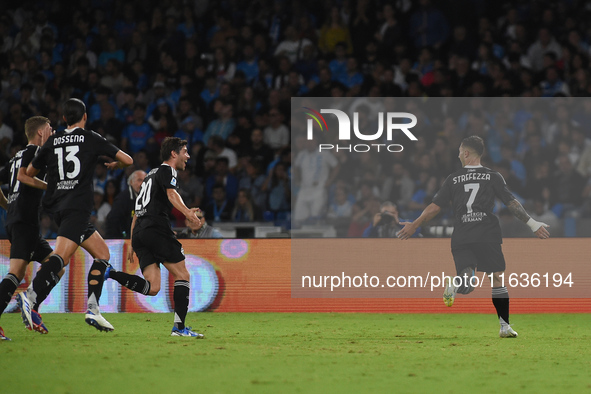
(173, 182)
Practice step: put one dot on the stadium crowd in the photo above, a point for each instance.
(221, 75)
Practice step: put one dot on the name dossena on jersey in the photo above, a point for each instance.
(68, 139)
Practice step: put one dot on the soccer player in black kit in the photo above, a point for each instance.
(153, 240)
(476, 239)
(70, 157)
(22, 218)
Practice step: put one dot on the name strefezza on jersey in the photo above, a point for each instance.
(472, 175)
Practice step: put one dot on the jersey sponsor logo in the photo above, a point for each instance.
(12, 198)
(66, 185)
(68, 139)
(475, 176)
(173, 182)
(473, 217)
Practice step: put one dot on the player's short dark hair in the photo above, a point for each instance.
(169, 145)
(33, 124)
(474, 143)
(74, 110)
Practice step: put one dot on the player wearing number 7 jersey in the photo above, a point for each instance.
(69, 158)
(476, 239)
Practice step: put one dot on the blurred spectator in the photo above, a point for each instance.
(244, 209)
(101, 177)
(545, 43)
(567, 189)
(258, 149)
(341, 207)
(108, 125)
(542, 213)
(386, 223)
(224, 125)
(276, 135)
(316, 170)
(278, 188)
(363, 213)
(253, 182)
(190, 188)
(219, 148)
(398, 186)
(428, 26)
(118, 221)
(222, 176)
(334, 31)
(100, 210)
(139, 134)
(47, 230)
(292, 46)
(112, 51)
(219, 209)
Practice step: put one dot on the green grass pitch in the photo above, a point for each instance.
(299, 352)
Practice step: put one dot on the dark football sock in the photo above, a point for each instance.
(500, 299)
(181, 303)
(40, 298)
(7, 288)
(132, 282)
(45, 279)
(96, 277)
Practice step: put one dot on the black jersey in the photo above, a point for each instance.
(23, 200)
(152, 206)
(472, 191)
(70, 157)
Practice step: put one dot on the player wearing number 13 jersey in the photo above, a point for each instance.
(70, 158)
(152, 238)
(476, 240)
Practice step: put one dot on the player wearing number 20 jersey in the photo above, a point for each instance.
(153, 239)
(152, 206)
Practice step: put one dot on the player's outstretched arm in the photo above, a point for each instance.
(519, 212)
(122, 160)
(30, 181)
(410, 228)
(176, 200)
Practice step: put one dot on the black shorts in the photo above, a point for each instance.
(74, 225)
(155, 246)
(486, 257)
(26, 243)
